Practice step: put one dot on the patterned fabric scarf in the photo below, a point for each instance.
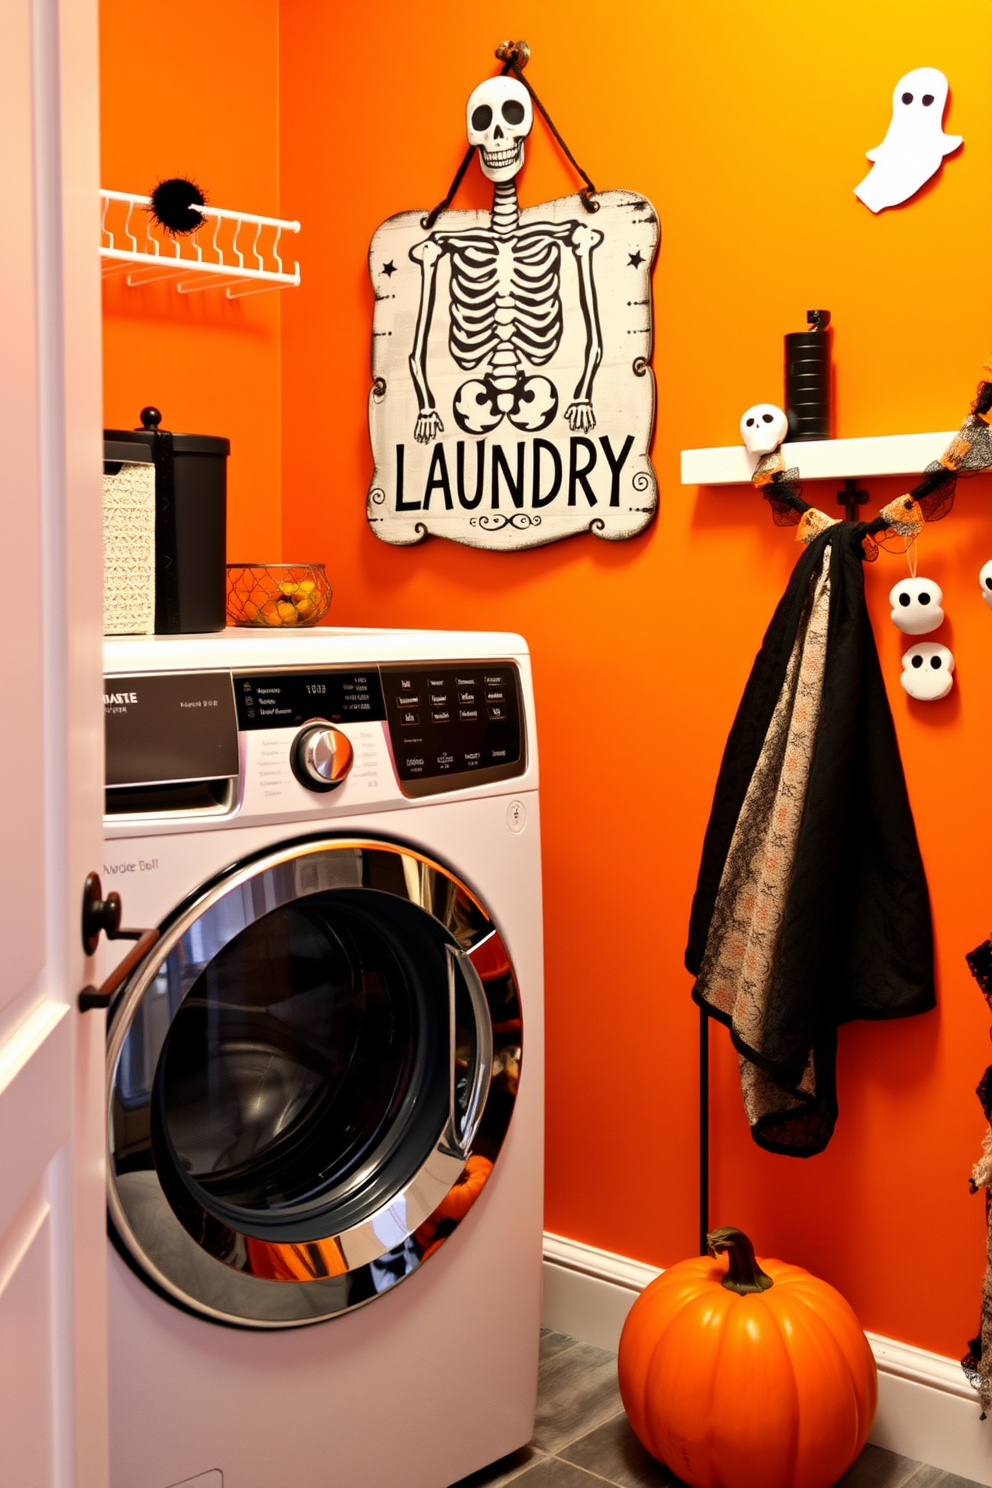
(738, 964)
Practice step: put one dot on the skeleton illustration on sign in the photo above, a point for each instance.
(505, 291)
(513, 399)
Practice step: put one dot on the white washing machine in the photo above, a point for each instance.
(324, 1094)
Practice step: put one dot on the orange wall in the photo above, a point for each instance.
(193, 89)
(747, 127)
(693, 106)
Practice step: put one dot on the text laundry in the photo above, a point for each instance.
(534, 473)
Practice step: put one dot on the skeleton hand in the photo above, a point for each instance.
(579, 415)
(429, 426)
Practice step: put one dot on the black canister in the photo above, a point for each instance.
(807, 379)
(190, 524)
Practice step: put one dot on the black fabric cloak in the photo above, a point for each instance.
(855, 938)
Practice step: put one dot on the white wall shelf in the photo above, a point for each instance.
(820, 459)
(241, 255)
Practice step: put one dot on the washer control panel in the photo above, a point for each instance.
(450, 723)
(172, 737)
(453, 723)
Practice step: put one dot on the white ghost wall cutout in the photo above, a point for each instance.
(985, 580)
(763, 428)
(914, 144)
(927, 670)
(916, 606)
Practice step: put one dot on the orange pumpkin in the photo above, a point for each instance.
(740, 1374)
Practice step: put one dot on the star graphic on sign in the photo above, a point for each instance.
(634, 260)
(389, 269)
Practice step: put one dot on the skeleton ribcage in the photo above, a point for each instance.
(535, 322)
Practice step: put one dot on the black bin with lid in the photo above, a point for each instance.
(190, 524)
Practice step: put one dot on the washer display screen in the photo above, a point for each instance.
(289, 699)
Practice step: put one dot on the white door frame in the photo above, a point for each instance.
(53, 1367)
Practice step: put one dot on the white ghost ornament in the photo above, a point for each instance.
(927, 671)
(763, 428)
(985, 579)
(914, 144)
(916, 606)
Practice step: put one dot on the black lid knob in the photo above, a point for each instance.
(150, 418)
(818, 319)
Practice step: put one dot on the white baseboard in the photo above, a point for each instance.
(926, 1408)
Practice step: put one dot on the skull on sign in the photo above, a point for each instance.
(500, 117)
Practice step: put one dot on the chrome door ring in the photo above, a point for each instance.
(233, 1276)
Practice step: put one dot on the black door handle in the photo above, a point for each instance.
(105, 914)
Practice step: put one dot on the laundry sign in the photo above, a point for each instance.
(513, 400)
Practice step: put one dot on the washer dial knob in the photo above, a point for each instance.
(321, 757)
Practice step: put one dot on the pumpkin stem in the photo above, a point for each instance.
(743, 1272)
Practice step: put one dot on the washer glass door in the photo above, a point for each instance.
(310, 1078)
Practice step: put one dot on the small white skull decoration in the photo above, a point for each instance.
(927, 671)
(500, 117)
(763, 428)
(916, 606)
(985, 579)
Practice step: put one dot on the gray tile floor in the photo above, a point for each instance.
(581, 1436)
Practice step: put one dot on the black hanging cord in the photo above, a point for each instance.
(514, 56)
(516, 61)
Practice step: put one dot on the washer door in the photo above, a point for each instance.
(310, 1079)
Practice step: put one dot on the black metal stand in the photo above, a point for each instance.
(704, 1130)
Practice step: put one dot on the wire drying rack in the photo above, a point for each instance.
(242, 255)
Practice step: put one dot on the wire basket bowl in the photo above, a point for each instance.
(284, 596)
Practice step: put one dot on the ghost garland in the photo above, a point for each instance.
(969, 452)
(916, 603)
